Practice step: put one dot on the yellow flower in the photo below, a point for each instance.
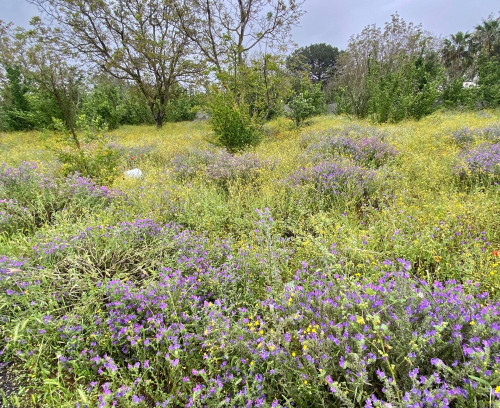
(305, 382)
(497, 390)
(304, 347)
(472, 323)
(293, 354)
(360, 320)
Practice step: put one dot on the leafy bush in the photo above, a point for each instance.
(233, 127)
(489, 81)
(410, 92)
(181, 108)
(307, 103)
(89, 154)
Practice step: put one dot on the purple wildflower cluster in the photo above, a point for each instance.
(481, 163)
(218, 166)
(29, 198)
(196, 334)
(370, 151)
(337, 181)
(466, 135)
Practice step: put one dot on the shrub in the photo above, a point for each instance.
(306, 104)
(89, 154)
(369, 151)
(233, 127)
(30, 198)
(181, 108)
(463, 136)
(480, 164)
(466, 135)
(219, 166)
(337, 183)
(14, 217)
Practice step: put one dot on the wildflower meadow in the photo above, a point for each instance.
(340, 264)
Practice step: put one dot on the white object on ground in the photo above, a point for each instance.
(134, 173)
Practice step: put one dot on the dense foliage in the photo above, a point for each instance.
(388, 73)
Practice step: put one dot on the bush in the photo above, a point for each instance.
(482, 164)
(181, 108)
(29, 199)
(233, 127)
(467, 136)
(489, 81)
(369, 151)
(307, 103)
(219, 166)
(89, 154)
(336, 183)
(410, 92)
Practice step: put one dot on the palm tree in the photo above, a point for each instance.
(488, 35)
(457, 53)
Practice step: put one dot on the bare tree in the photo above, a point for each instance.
(389, 48)
(135, 40)
(225, 31)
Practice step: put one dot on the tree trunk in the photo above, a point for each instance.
(158, 113)
(159, 118)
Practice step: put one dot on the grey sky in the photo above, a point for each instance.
(334, 21)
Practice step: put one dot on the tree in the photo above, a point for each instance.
(457, 54)
(263, 85)
(42, 85)
(226, 31)
(488, 36)
(384, 48)
(318, 60)
(136, 40)
(15, 111)
(47, 59)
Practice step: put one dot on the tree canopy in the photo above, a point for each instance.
(319, 61)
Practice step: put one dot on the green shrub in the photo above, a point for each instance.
(181, 108)
(410, 92)
(307, 103)
(233, 127)
(90, 155)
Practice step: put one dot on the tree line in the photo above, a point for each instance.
(114, 62)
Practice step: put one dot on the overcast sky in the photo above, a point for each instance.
(334, 21)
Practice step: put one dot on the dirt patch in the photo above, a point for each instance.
(8, 385)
